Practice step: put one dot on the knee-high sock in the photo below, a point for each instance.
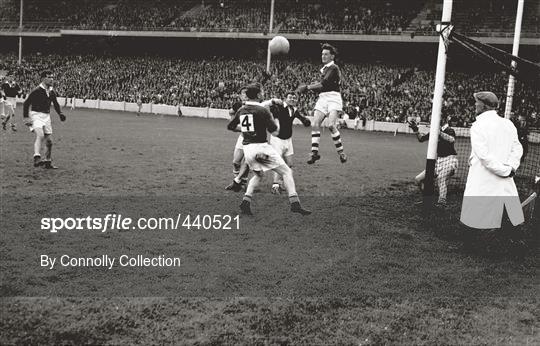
(236, 169)
(48, 149)
(336, 137)
(315, 140)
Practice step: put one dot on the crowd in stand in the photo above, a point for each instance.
(297, 16)
(485, 18)
(370, 90)
(365, 16)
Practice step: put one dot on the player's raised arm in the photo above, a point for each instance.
(422, 137)
(449, 137)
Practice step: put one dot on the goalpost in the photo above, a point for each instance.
(20, 32)
(270, 29)
(525, 71)
(515, 51)
(443, 29)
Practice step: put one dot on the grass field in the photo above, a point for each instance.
(364, 269)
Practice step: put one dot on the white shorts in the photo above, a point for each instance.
(447, 165)
(239, 145)
(329, 101)
(284, 147)
(271, 158)
(41, 121)
(11, 101)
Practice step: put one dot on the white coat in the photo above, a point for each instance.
(495, 151)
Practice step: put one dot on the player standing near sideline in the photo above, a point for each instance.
(447, 162)
(329, 103)
(40, 120)
(10, 91)
(285, 113)
(255, 123)
(139, 104)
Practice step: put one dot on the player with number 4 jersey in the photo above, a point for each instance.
(255, 122)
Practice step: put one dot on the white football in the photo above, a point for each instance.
(279, 45)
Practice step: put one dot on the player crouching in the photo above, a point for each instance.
(255, 123)
(40, 120)
(447, 162)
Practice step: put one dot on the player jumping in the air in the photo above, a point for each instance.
(329, 103)
(447, 162)
(285, 113)
(40, 100)
(10, 91)
(255, 122)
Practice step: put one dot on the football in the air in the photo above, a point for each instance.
(279, 45)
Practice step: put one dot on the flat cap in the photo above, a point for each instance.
(488, 98)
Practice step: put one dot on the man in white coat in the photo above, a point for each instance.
(495, 157)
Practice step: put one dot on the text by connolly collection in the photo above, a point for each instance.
(108, 261)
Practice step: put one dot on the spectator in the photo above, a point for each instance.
(199, 82)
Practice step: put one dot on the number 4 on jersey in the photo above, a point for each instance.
(246, 123)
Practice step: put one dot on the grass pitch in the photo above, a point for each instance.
(363, 269)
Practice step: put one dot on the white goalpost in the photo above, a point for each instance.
(515, 51)
(443, 29)
(270, 29)
(20, 32)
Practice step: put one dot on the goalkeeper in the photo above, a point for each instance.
(447, 162)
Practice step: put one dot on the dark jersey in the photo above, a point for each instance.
(255, 123)
(444, 148)
(523, 133)
(330, 78)
(236, 106)
(286, 115)
(11, 90)
(40, 101)
(523, 137)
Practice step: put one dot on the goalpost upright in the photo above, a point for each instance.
(515, 51)
(20, 33)
(443, 28)
(270, 29)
